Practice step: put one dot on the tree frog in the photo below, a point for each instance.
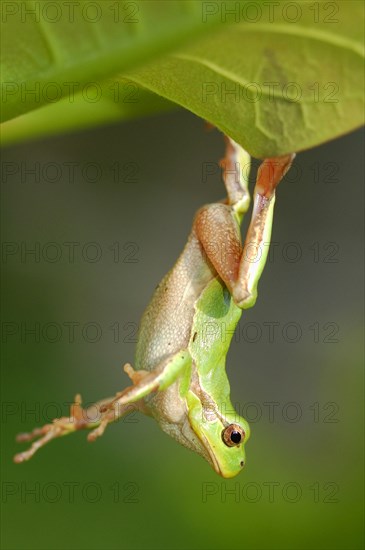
(179, 377)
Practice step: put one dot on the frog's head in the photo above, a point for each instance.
(222, 438)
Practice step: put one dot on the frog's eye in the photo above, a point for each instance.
(233, 435)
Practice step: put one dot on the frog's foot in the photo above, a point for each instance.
(106, 418)
(59, 427)
(93, 417)
(135, 375)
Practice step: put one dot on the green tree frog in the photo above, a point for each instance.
(179, 376)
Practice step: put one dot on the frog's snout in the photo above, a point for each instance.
(231, 471)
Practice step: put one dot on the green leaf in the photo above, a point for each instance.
(51, 52)
(276, 78)
(119, 99)
(275, 87)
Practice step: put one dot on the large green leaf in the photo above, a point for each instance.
(52, 50)
(278, 78)
(274, 87)
(120, 99)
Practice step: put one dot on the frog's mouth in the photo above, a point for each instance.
(213, 459)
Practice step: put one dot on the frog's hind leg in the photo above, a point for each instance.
(218, 230)
(257, 241)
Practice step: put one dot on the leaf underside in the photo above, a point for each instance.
(273, 84)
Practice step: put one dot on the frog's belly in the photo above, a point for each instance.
(166, 324)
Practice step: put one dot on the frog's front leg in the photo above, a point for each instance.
(217, 227)
(146, 382)
(100, 414)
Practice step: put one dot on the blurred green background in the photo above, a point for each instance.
(132, 190)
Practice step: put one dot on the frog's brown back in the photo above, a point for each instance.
(166, 323)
